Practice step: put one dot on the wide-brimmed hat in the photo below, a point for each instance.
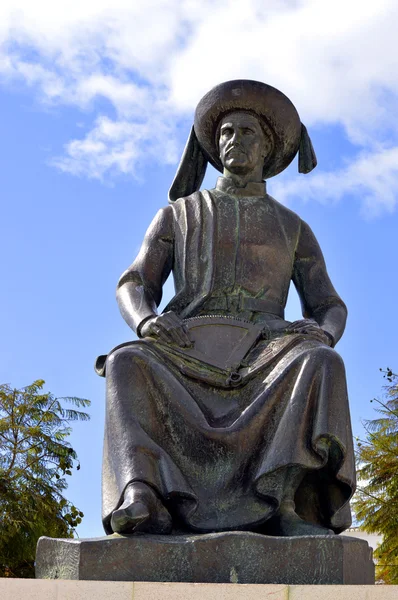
(276, 114)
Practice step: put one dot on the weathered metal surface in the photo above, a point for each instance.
(225, 415)
(240, 424)
(234, 557)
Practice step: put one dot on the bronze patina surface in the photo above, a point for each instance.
(231, 557)
(223, 415)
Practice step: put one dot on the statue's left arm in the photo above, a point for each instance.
(319, 299)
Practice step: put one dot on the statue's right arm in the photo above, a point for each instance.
(139, 290)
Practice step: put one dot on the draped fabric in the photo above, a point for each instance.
(219, 457)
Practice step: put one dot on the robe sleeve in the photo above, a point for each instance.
(139, 291)
(319, 299)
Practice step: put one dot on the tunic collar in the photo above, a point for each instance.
(253, 188)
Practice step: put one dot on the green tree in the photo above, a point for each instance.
(35, 457)
(376, 506)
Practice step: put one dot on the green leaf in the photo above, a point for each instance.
(376, 504)
(34, 455)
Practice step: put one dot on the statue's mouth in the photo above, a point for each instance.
(235, 150)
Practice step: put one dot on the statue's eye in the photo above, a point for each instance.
(248, 131)
(227, 132)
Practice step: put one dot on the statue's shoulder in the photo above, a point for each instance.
(192, 198)
(295, 224)
(163, 218)
(184, 205)
(288, 216)
(162, 224)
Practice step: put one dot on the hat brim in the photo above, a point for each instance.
(267, 103)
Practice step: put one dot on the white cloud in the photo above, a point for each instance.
(152, 62)
(333, 59)
(117, 146)
(372, 176)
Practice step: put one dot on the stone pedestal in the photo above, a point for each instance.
(231, 557)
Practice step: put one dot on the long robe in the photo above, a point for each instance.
(218, 456)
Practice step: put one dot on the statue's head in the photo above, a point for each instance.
(243, 143)
(263, 119)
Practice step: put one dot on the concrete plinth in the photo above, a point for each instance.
(232, 557)
(28, 589)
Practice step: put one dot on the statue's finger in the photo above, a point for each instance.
(150, 330)
(320, 337)
(162, 332)
(177, 321)
(181, 337)
(184, 332)
(310, 329)
(182, 329)
(174, 317)
(166, 322)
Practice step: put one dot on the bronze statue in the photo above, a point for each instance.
(223, 415)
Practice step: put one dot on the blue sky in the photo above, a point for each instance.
(97, 102)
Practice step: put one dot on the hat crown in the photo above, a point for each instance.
(269, 105)
(277, 114)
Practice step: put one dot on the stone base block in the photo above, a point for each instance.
(231, 557)
(50, 589)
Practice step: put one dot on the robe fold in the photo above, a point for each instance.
(219, 456)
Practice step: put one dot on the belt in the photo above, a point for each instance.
(238, 302)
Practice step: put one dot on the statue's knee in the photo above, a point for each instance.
(120, 359)
(327, 356)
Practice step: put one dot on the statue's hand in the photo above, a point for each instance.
(168, 328)
(311, 328)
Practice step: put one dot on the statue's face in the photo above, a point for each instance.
(242, 143)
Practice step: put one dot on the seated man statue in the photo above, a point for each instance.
(223, 415)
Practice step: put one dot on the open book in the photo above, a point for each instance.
(221, 341)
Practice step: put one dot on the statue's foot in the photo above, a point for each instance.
(288, 523)
(142, 511)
